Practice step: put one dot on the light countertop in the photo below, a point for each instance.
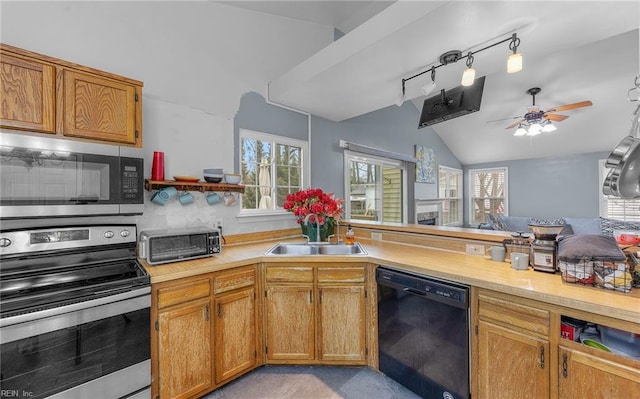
(474, 270)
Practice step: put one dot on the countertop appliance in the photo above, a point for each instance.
(178, 244)
(544, 248)
(423, 333)
(74, 313)
(48, 177)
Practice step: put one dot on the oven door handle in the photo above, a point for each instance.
(35, 323)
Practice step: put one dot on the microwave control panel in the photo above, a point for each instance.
(132, 180)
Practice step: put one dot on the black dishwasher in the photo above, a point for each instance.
(423, 333)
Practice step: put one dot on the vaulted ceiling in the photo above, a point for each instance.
(574, 51)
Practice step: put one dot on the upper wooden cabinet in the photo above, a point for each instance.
(47, 95)
(28, 92)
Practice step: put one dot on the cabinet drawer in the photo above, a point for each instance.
(182, 292)
(511, 313)
(229, 281)
(285, 274)
(354, 274)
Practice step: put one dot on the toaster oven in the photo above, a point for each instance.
(173, 245)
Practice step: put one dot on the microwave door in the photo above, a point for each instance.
(38, 182)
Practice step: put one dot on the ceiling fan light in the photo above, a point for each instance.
(534, 129)
(520, 132)
(514, 63)
(549, 127)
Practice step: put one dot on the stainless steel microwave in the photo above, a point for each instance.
(177, 244)
(50, 177)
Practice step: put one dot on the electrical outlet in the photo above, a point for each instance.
(475, 249)
(218, 223)
(376, 236)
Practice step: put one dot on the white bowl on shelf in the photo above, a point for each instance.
(231, 178)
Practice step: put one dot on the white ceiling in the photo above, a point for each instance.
(574, 51)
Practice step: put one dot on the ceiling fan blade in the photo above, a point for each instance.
(514, 124)
(505, 119)
(571, 106)
(555, 117)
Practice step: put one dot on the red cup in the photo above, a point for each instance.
(157, 167)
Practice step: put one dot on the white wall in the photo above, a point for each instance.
(196, 59)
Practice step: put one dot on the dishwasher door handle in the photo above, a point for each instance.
(414, 291)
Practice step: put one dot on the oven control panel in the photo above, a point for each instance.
(48, 239)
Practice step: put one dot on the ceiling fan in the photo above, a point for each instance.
(537, 120)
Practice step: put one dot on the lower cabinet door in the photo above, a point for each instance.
(235, 331)
(341, 324)
(184, 335)
(511, 365)
(583, 375)
(290, 323)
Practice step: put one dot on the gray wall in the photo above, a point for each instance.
(549, 187)
(393, 129)
(258, 115)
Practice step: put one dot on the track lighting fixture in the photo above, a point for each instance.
(469, 74)
(428, 88)
(514, 64)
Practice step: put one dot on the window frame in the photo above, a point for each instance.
(603, 200)
(350, 155)
(459, 199)
(505, 197)
(274, 140)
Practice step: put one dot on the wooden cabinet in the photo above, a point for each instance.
(315, 314)
(98, 108)
(206, 332)
(519, 353)
(48, 95)
(183, 329)
(511, 364)
(236, 323)
(341, 314)
(27, 92)
(588, 375)
(513, 349)
(289, 314)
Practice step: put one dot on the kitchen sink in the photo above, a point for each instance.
(285, 248)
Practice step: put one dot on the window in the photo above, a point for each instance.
(271, 167)
(488, 194)
(615, 207)
(375, 188)
(450, 189)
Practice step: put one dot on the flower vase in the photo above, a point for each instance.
(311, 230)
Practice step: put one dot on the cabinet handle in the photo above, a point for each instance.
(564, 365)
(219, 311)
(320, 296)
(206, 312)
(542, 357)
(310, 297)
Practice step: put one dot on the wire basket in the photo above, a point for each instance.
(613, 275)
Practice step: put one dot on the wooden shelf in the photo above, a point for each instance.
(187, 186)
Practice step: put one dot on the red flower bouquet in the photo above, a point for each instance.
(325, 209)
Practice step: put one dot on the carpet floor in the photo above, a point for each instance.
(313, 382)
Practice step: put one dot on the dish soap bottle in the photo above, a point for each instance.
(349, 236)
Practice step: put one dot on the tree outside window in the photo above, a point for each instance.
(271, 167)
(488, 188)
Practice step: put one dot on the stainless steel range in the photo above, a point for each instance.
(74, 313)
